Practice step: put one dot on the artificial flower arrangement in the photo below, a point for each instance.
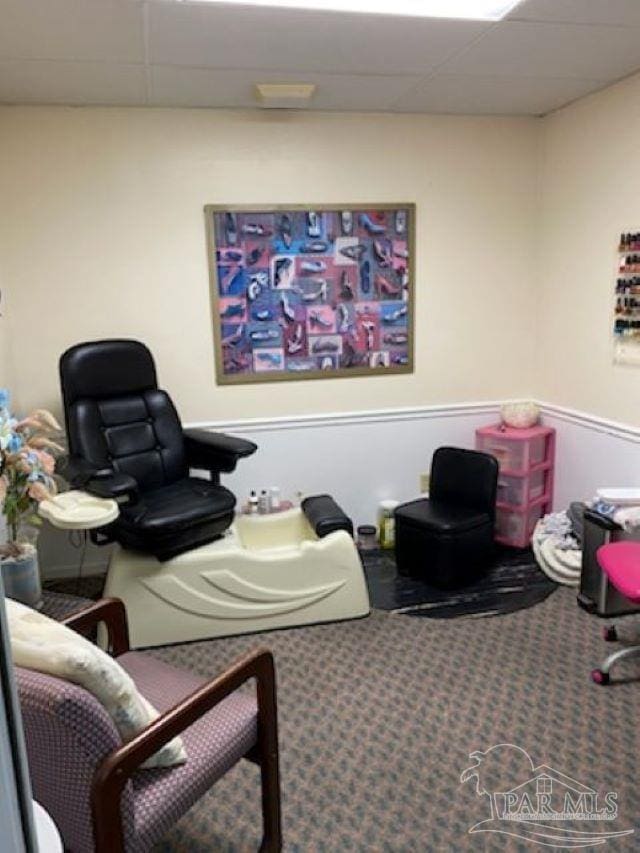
(27, 463)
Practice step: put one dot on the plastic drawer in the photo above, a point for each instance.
(510, 453)
(517, 527)
(513, 490)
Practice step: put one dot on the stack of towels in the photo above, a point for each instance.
(557, 544)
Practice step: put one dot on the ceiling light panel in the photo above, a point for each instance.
(478, 10)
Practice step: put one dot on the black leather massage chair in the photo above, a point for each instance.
(126, 442)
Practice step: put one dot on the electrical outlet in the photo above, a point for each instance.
(424, 483)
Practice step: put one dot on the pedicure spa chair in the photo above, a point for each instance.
(185, 565)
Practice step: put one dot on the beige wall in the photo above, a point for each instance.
(103, 235)
(6, 373)
(590, 193)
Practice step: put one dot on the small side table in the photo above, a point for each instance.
(525, 483)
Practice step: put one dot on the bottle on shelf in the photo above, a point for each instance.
(387, 523)
(274, 499)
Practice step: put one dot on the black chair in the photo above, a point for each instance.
(448, 539)
(126, 442)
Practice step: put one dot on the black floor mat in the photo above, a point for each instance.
(514, 582)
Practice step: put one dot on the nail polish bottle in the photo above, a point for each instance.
(263, 502)
(253, 503)
(274, 499)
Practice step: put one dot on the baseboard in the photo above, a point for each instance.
(64, 571)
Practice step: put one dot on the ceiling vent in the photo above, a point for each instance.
(284, 96)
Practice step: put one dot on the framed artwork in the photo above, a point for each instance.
(310, 292)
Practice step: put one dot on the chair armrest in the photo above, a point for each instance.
(114, 771)
(215, 451)
(112, 612)
(101, 482)
(325, 516)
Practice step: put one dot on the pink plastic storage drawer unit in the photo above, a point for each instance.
(525, 482)
(517, 527)
(519, 491)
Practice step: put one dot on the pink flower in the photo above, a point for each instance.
(38, 492)
(46, 420)
(41, 441)
(27, 423)
(3, 488)
(46, 460)
(22, 464)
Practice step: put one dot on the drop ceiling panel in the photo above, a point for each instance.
(206, 87)
(451, 93)
(71, 29)
(548, 53)
(614, 12)
(42, 82)
(552, 50)
(223, 37)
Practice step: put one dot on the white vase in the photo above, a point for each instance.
(21, 577)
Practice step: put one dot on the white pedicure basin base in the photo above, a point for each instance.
(266, 572)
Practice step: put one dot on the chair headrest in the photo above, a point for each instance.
(99, 369)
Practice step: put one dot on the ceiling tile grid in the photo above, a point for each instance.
(545, 54)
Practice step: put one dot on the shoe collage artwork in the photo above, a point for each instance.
(302, 290)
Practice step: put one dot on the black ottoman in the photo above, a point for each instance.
(444, 546)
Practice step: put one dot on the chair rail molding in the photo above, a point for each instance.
(591, 452)
(616, 429)
(370, 416)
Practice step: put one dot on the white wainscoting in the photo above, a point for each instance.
(363, 457)
(360, 458)
(591, 452)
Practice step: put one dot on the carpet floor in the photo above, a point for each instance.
(378, 718)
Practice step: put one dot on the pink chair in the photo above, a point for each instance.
(620, 561)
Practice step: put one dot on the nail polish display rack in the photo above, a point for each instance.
(626, 321)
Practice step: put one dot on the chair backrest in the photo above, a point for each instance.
(67, 733)
(115, 415)
(465, 478)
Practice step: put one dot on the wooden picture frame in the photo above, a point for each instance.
(311, 291)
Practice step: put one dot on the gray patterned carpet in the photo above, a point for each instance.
(378, 717)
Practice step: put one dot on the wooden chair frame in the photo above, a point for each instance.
(116, 768)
